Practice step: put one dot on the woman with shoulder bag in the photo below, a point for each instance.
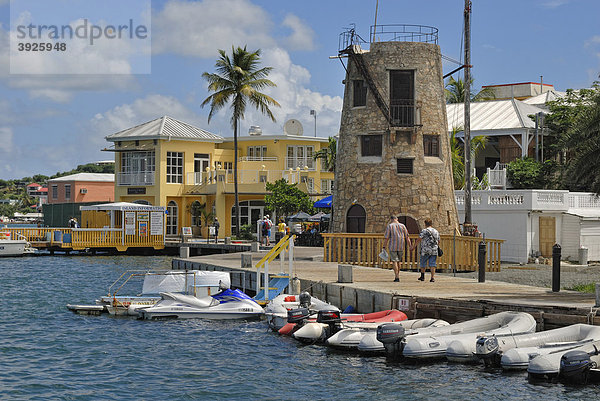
(429, 238)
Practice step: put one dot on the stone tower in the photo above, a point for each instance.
(394, 149)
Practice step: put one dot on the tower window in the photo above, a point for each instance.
(404, 166)
(402, 98)
(360, 93)
(370, 145)
(431, 145)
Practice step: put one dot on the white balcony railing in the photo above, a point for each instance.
(258, 158)
(293, 163)
(139, 178)
(244, 176)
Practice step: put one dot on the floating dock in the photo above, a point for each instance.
(372, 289)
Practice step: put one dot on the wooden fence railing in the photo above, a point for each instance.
(363, 250)
(81, 238)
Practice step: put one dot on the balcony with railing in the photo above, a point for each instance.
(137, 178)
(405, 113)
(244, 177)
(300, 162)
(258, 159)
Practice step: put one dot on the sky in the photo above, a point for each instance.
(57, 108)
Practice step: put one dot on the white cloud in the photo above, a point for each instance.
(140, 111)
(302, 37)
(555, 3)
(199, 28)
(109, 58)
(295, 99)
(594, 40)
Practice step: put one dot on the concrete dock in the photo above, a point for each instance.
(373, 289)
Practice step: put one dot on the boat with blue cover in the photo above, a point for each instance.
(228, 304)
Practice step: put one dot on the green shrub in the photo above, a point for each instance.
(246, 233)
(525, 174)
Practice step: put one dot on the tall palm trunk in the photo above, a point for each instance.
(235, 177)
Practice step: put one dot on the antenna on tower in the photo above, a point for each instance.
(375, 25)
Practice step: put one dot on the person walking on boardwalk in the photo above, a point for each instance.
(396, 239)
(429, 238)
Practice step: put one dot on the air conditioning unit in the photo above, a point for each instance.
(83, 190)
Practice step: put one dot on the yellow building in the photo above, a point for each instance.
(166, 162)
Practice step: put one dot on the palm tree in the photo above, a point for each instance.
(478, 143)
(238, 79)
(458, 163)
(455, 92)
(583, 144)
(328, 155)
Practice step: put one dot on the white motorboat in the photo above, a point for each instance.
(462, 347)
(15, 247)
(573, 364)
(363, 336)
(427, 343)
(228, 304)
(493, 349)
(330, 322)
(199, 283)
(277, 309)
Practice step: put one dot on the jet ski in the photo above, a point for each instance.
(228, 304)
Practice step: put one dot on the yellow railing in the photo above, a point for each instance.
(275, 251)
(81, 238)
(363, 250)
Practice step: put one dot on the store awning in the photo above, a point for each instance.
(324, 203)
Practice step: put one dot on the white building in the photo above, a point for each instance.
(532, 221)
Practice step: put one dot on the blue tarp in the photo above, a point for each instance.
(325, 202)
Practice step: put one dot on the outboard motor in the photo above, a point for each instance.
(391, 335)
(575, 367)
(332, 318)
(305, 299)
(298, 316)
(486, 348)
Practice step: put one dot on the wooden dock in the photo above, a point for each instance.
(80, 239)
(449, 298)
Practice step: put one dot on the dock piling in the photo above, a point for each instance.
(482, 259)
(556, 251)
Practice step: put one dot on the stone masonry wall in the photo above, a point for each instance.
(374, 183)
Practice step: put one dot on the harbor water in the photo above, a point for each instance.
(50, 353)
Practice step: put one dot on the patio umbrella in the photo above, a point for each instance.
(300, 216)
(317, 217)
(324, 203)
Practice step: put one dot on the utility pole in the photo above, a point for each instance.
(467, 128)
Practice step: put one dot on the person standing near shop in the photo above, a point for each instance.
(396, 240)
(429, 238)
(216, 225)
(280, 230)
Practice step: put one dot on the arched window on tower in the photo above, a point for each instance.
(355, 219)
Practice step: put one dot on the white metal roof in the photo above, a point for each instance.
(305, 138)
(165, 128)
(494, 117)
(95, 177)
(587, 213)
(545, 97)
